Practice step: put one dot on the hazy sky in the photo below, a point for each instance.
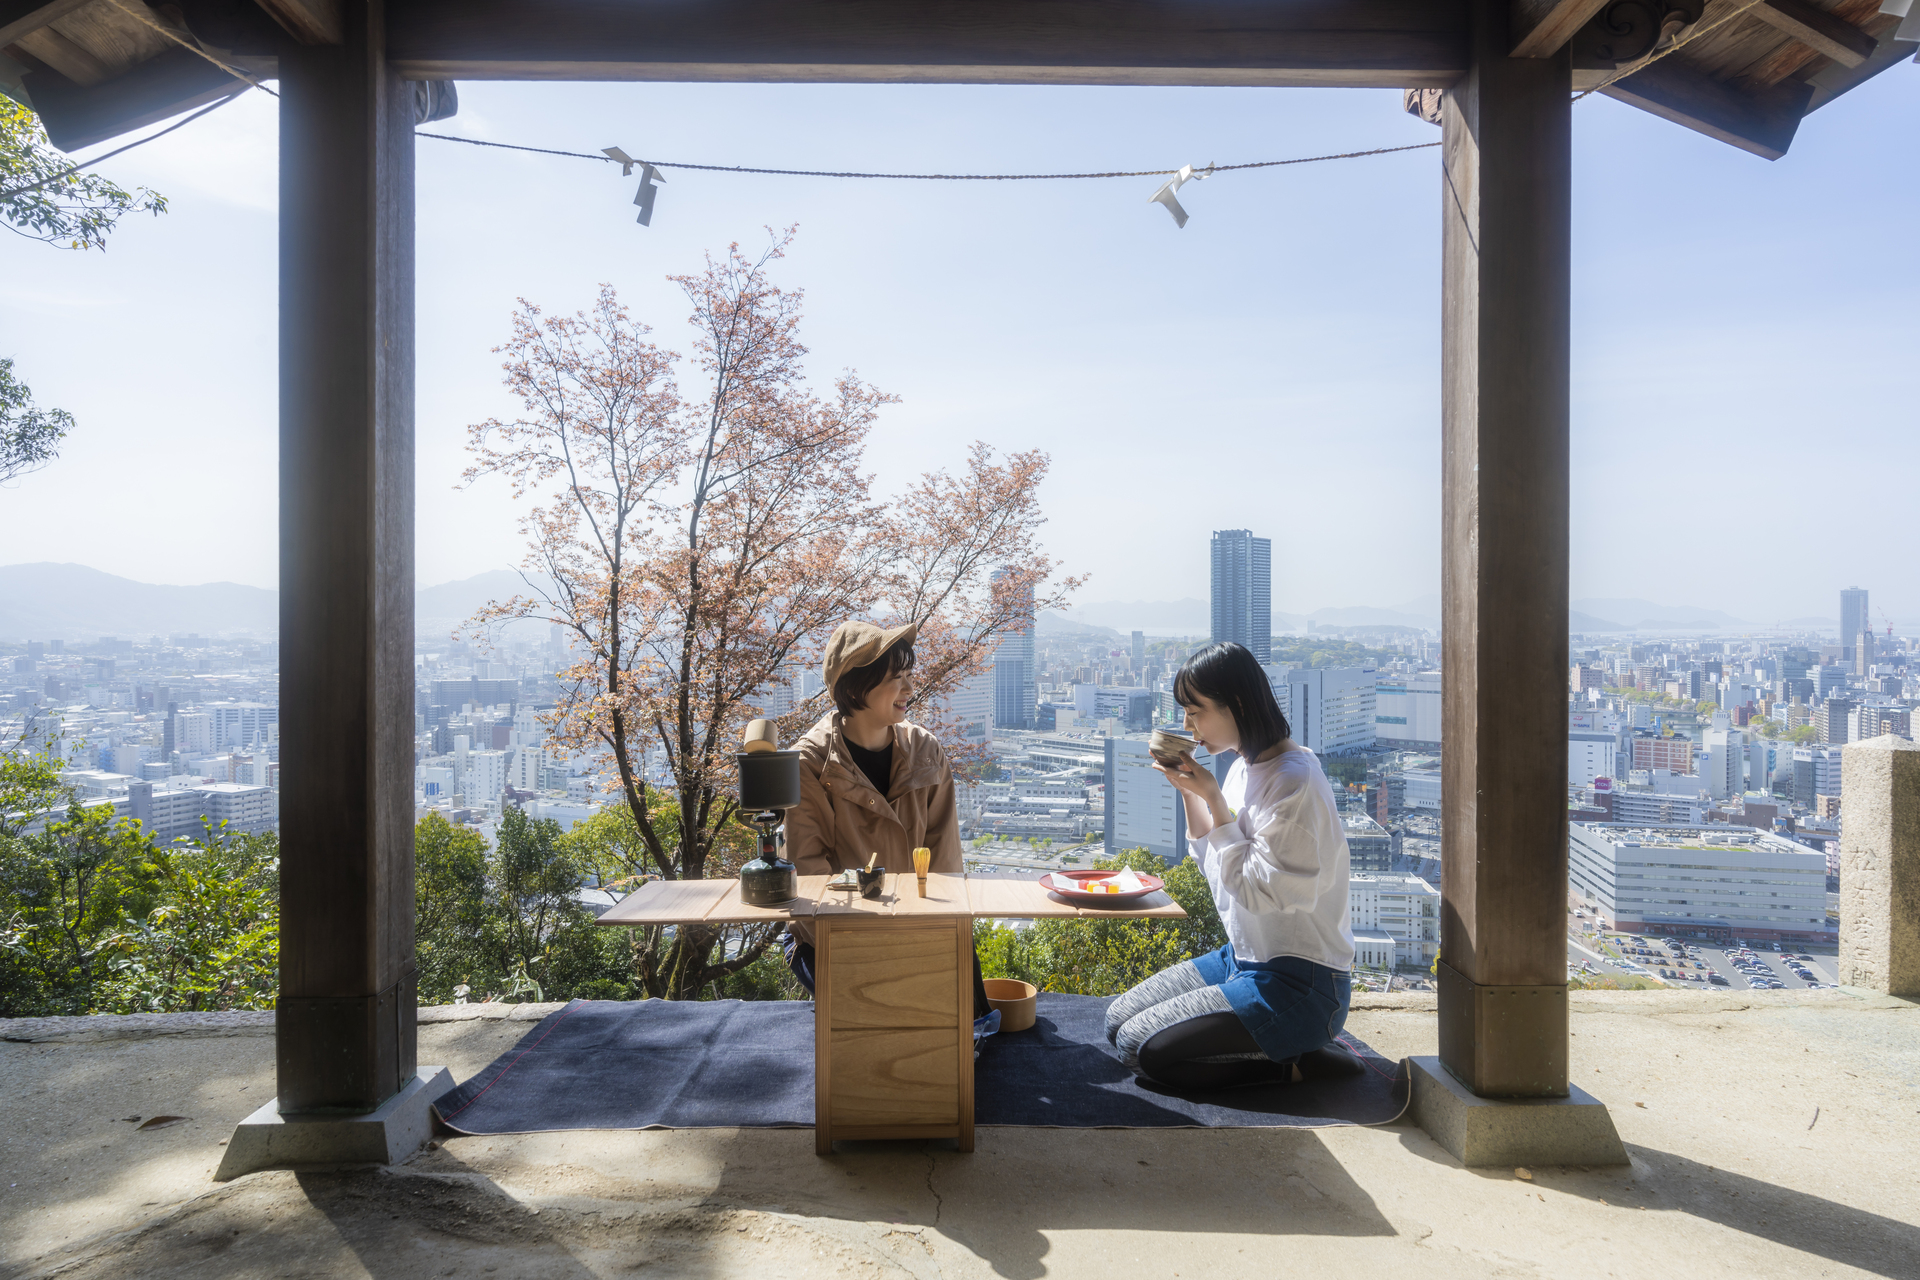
(1745, 332)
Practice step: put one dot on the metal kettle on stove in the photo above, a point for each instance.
(769, 786)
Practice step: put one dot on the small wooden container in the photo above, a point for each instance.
(1015, 1000)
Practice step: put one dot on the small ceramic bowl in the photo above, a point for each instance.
(1015, 1000)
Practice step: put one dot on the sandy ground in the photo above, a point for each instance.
(1733, 1175)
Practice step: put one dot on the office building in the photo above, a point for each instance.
(1816, 773)
(1405, 909)
(1243, 591)
(1422, 789)
(1139, 652)
(1369, 845)
(1724, 773)
(1590, 754)
(241, 724)
(1641, 806)
(1132, 707)
(1672, 754)
(1332, 710)
(1827, 680)
(1143, 809)
(1016, 688)
(1699, 881)
(1830, 721)
(243, 808)
(1854, 619)
(1406, 711)
(1862, 723)
(485, 774)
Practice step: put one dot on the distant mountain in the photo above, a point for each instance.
(1070, 624)
(70, 601)
(1644, 615)
(73, 602)
(1586, 622)
(439, 611)
(1369, 616)
(1159, 617)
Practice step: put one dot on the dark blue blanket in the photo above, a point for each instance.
(657, 1064)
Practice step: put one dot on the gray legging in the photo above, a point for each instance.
(1178, 1028)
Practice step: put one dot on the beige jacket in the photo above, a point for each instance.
(841, 819)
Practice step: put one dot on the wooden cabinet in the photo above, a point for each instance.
(893, 1024)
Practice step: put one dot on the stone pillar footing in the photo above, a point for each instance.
(1491, 1132)
(388, 1134)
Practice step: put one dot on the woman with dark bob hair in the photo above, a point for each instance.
(1267, 1006)
(870, 780)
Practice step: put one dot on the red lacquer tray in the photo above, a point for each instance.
(1058, 882)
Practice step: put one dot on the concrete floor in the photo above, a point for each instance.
(1733, 1175)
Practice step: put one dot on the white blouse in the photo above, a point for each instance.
(1279, 870)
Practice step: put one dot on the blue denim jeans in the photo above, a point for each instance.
(1289, 1006)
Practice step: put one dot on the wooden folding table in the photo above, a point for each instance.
(893, 978)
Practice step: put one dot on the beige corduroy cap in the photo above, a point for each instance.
(855, 644)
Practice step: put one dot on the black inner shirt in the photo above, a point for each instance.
(877, 765)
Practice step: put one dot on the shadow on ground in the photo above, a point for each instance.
(1663, 1182)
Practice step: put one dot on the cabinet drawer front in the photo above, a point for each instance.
(893, 978)
(896, 1077)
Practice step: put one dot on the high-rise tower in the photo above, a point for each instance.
(1243, 590)
(1853, 620)
(1016, 688)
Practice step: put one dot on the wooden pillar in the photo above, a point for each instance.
(345, 1021)
(1505, 200)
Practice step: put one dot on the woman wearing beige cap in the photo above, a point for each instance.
(870, 781)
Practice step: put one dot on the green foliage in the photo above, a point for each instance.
(531, 917)
(75, 210)
(450, 905)
(213, 939)
(1106, 957)
(1801, 735)
(29, 437)
(67, 893)
(1326, 651)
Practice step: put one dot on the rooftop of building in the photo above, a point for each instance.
(1803, 1161)
(1707, 838)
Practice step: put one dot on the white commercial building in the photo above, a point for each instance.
(193, 732)
(1406, 711)
(1423, 788)
(1590, 755)
(1405, 908)
(243, 808)
(1649, 807)
(485, 776)
(1699, 881)
(1331, 710)
(1724, 773)
(241, 724)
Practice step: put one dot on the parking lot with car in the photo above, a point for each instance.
(1736, 965)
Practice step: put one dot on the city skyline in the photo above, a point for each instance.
(1328, 421)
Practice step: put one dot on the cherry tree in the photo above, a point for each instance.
(698, 549)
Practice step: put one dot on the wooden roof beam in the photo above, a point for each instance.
(1354, 43)
(24, 17)
(76, 115)
(1832, 81)
(1819, 30)
(1761, 121)
(308, 21)
(1541, 28)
